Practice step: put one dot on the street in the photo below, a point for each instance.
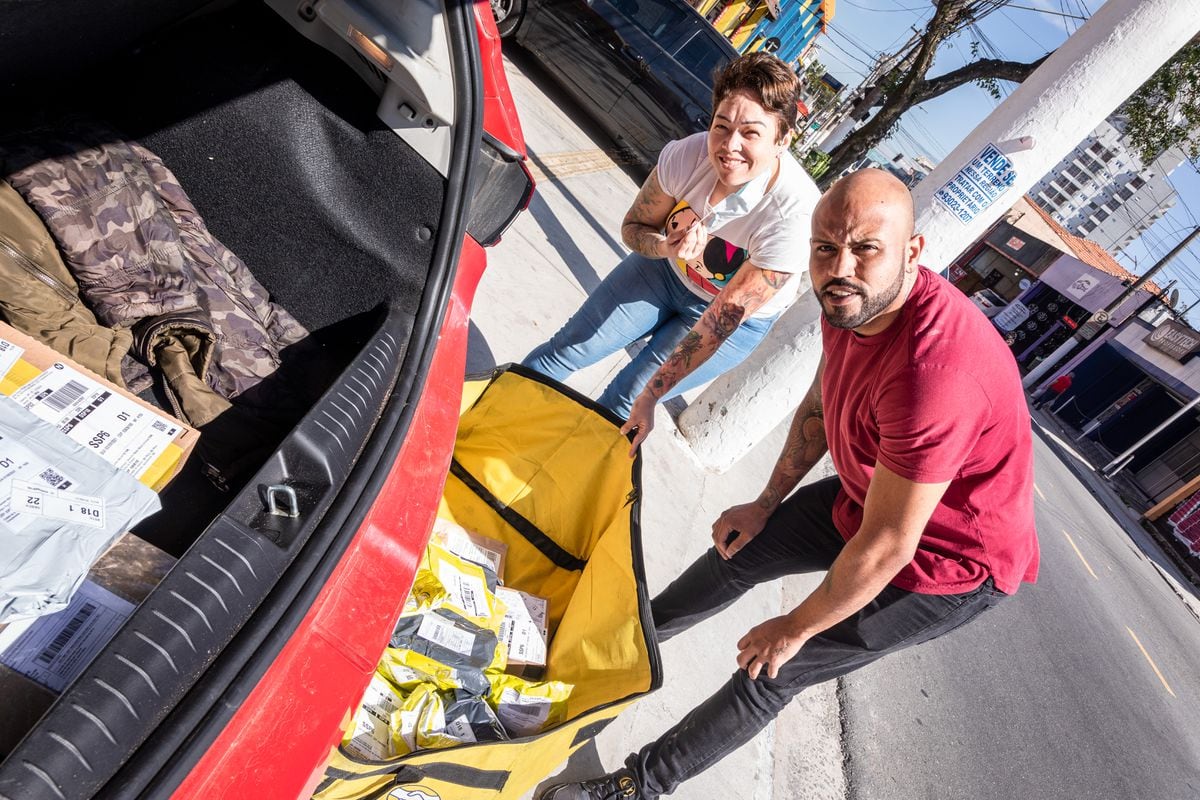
(1083, 686)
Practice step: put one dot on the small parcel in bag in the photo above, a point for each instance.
(545, 471)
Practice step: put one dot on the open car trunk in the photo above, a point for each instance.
(354, 229)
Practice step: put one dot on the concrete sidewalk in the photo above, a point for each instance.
(537, 276)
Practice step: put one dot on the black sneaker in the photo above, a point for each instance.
(619, 785)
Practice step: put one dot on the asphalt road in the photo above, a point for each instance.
(1084, 685)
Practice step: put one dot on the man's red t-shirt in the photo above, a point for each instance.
(937, 397)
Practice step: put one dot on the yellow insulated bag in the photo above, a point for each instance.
(547, 472)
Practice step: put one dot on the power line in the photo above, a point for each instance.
(863, 50)
(883, 10)
(836, 57)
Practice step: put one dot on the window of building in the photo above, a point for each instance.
(1125, 193)
(1136, 183)
(1096, 148)
(1101, 215)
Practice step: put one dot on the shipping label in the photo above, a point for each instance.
(21, 465)
(446, 634)
(468, 592)
(53, 650)
(123, 433)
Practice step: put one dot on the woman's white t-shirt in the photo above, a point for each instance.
(767, 226)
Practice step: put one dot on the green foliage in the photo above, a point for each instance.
(1165, 111)
(991, 86)
(816, 163)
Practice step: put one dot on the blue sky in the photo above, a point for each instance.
(861, 29)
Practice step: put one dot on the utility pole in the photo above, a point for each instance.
(1089, 330)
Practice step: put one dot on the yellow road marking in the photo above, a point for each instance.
(1039, 491)
(555, 166)
(1153, 666)
(1080, 554)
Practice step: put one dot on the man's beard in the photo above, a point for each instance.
(872, 305)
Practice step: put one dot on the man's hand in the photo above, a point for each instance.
(746, 521)
(686, 244)
(641, 419)
(769, 645)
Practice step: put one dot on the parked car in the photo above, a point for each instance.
(988, 302)
(358, 156)
(642, 68)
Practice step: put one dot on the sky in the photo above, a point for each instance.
(1021, 31)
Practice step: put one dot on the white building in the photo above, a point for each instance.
(1104, 191)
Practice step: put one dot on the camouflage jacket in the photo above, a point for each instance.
(145, 261)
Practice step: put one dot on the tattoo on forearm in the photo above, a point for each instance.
(640, 228)
(675, 368)
(806, 444)
(642, 239)
(722, 318)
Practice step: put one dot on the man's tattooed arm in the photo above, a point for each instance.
(805, 446)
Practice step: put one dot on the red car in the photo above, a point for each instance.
(358, 155)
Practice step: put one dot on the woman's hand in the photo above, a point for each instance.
(686, 244)
(641, 419)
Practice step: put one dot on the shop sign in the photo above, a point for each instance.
(977, 185)
(1177, 341)
(1012, 316)
(1014, 243)
(957, 273)
(1082, 285)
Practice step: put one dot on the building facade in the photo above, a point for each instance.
(784, 27)
(1104, 191)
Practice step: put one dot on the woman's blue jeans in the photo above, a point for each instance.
(800, 537)
(641, 297)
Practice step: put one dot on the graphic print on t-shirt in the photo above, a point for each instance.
(719, 261)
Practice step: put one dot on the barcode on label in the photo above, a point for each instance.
(47, 656)
(159, 425)
(51, 477)
(64, 395)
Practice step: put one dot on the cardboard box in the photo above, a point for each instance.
(54, 649)
(129, 433)
(524, 630)
(471, 546)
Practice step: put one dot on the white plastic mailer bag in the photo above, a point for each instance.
(61, 506)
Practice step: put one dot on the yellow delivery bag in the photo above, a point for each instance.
(546, 471)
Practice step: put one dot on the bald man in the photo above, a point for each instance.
(928, 523)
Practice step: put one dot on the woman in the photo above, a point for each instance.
(719, 232)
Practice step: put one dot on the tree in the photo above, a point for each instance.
(904, 85)
(821, 92)
(1165, 112)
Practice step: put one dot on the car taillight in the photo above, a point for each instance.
(503, 189)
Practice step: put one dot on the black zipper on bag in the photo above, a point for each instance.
(547, 546)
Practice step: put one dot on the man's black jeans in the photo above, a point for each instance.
(800, 537)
